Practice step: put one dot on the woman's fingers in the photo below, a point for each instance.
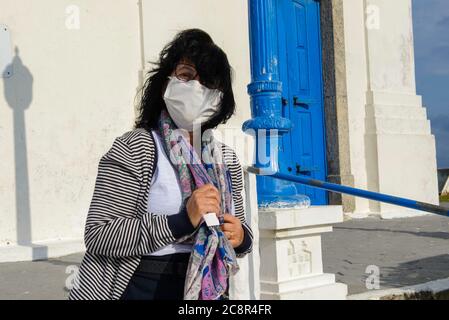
(212, 196)
(209, 191)
(233, 229)
(203, 200)
(228, 227)
(227, 234)
(231, 238)
(209, 209)
(231, 219)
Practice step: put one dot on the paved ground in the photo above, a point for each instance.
(406, 251)
(38, 279)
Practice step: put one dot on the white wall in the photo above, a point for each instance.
(77, 87)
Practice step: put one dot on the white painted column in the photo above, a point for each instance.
(400, 149)
(245, 285)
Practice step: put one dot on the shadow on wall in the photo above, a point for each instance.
(18, 91)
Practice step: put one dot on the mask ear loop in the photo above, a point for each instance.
(214, 98)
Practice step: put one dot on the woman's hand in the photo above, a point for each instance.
(203, 200)
(232, 228)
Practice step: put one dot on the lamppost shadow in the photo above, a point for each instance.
(18, 91)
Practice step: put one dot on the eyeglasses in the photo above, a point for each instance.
(185, 72)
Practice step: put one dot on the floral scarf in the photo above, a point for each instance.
(213, 258)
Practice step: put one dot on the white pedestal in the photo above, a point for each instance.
(291, 264)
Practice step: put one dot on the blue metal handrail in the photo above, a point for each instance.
(403, 202)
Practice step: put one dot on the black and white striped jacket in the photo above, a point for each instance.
(119, 230)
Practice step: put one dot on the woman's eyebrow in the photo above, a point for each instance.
(187, 64)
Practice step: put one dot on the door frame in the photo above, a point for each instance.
(335, 100)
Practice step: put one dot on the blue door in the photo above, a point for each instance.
(303, 149)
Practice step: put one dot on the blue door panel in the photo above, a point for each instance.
(300, 71)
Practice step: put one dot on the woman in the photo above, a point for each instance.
(146, 208)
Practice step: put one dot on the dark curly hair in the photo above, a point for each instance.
(211, 63)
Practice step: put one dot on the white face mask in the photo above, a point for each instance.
(190, 102)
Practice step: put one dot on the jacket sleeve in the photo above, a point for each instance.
(238, 187)
(113, 227)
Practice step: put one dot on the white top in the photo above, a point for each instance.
(165, 195)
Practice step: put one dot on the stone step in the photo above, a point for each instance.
(393, 99)
(334, 291)
(397, 112)
(303, 282)
(398, 126)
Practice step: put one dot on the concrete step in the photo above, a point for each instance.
(397, 112)
(398, 126)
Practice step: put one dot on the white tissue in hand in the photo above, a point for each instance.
(211, 219)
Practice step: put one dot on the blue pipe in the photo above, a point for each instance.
(403, 202)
